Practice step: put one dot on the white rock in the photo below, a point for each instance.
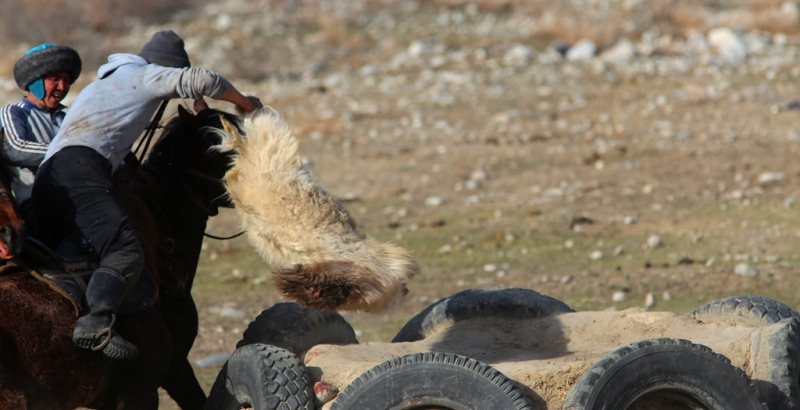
(654, 241)
(728, 45)
(619, 296)
(519, 56)
(767, 178)
(620, 53)
(743, 269)
(629, 220)
(479, 175)
(433, 201)
(649, 300)
(596, 255)
(217, 358)
(582, 50)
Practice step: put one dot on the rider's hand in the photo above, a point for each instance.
(199, 105)
(251, 103)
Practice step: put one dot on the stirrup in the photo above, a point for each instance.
(103, 336)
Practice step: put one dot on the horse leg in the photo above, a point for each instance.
(136, 381)
(12, 396)
(181, 383)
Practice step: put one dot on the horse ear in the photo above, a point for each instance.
(231, 138)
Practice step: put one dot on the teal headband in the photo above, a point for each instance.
(37, 86)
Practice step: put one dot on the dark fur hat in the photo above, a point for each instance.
(165, 48)
(46, 59)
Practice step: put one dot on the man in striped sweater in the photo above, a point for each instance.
(46, 72)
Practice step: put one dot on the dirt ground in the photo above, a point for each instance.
(482, 138)
(661, 182)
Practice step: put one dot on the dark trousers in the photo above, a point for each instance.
(73, 199)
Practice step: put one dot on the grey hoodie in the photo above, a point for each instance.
(110, 113)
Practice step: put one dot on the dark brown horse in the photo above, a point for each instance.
(178, 187)
(11, 224)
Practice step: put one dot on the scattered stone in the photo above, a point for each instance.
(519, 56)
(770, 178)
(434, 201)
(728, 45)
(581, 51)
(619, 296)
(211, 360)
(227, 311)
(649, 300)
(596, 255)
(620, 53)
(744, 269)
(654, 241)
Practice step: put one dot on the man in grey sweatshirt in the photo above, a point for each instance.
(73, 195)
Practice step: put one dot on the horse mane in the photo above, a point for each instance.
(149, 194)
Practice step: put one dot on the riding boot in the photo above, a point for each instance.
(104, 294)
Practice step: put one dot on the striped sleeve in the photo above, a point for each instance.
(26, 136)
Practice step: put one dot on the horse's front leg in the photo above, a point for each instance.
(11, 394)
(180, 314)
(136, 382)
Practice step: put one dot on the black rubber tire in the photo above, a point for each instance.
(780, 386)
(297, 328)
(432, 380)
(663, 373)
(262, 377)
(514, 303)
(753, 310)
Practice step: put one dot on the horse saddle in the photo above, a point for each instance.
(67, 270)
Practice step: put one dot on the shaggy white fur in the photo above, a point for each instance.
(321, 260)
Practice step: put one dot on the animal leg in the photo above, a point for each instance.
(183, 387)
(11, 394)
(181, 383)
(136, 381)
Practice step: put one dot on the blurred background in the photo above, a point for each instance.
(612, 154)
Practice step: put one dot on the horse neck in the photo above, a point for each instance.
(172, 228)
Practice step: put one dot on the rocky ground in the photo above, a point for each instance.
(609, 154)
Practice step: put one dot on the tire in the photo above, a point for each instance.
(432, 380)
(776, 371)
(753, 310)
(663, 374)
(515, 303)
(297, 328)
(262, 377)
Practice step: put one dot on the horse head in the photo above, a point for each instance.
(186, 152)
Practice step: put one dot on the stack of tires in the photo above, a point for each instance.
(662, 373)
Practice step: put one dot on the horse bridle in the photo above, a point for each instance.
(200, 202)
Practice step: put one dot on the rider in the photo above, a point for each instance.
(46, 72)
(73, 195)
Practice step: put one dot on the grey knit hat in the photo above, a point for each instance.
(166, 48)
(46, 59)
